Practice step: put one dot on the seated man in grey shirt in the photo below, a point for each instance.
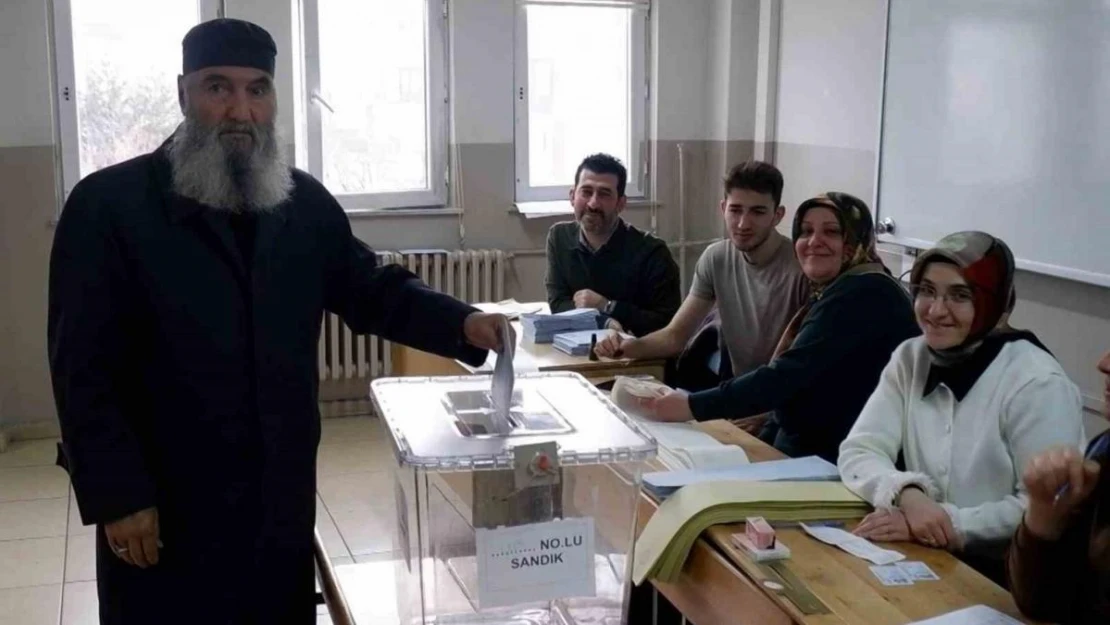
(752, 277)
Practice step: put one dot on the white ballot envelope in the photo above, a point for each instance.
(501, 390)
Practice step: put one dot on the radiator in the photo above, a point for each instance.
(347, 362)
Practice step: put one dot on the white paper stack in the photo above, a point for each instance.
(543, 328)
(681, 445)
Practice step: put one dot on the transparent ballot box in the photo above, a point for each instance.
(524, 520)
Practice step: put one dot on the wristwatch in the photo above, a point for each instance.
(608, 307)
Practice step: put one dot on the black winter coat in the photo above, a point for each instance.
(185, 378)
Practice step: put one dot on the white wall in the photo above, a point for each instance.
(25, 111)
(827, 128)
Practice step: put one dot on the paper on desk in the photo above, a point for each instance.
(510, 308)
(855, 545)
(975, 615)
(501, 385)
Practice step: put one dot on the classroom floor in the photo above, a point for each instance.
(48, 572)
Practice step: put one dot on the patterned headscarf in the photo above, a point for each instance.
(855, 222)
(987, 265)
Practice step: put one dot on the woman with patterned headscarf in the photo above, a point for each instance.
(830, 357)
(966, 406)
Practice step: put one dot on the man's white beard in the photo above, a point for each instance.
(228, 179)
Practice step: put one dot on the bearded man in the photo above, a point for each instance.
(186, 292)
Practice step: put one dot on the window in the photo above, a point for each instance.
(117, 63)
(581, 88)
(375, 100)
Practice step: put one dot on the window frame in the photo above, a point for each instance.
(639, 100)
(314, 105)
(65, 88)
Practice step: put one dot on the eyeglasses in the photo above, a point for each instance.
(955, 297)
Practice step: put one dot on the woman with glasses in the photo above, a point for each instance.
(833, 350)
(959, 412)
(1059, 564)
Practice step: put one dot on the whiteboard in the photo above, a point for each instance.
(996, 117)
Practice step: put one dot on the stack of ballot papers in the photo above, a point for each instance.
(578, 343)
(681, 445)
(662, 548)
(543, 328)
(510, 308)
(663, 484)
(975, 615)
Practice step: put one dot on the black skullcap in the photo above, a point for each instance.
(228, 42)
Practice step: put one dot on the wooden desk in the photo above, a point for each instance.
(412, 362)
(721, 586)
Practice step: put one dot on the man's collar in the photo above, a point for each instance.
(766, 251)
(614, 237)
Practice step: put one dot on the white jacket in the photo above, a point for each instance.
(967, 455)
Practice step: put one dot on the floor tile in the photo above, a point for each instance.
(23, 483)
(79, 604)
(351, 491)
(32, 562)
(74, 527)
(36, 453)
(357, 456)
(37, 518)
(35, 605)
(370, 590)
(81, 558)
(329, 533)
(343, 429)
(367, 531)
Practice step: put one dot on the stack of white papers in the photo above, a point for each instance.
(807, 469)
(543, 328)
(975, 615)
(510, 308)
(578, 343)
(681, 445)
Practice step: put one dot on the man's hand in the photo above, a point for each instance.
(929, 523)
(672, 407)
(134, 538)
(1047, 515)
(612, 346)
(614, 325)
(483, 330)
(886, 526)
(589, 299)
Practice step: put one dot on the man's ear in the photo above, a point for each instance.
(571, 195)
(780, 212)
(181, 93)
(622, 201)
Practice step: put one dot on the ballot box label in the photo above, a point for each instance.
(536, 562)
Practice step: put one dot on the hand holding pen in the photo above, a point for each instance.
(1058, 482)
